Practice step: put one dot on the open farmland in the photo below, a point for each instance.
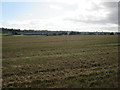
(73, 61)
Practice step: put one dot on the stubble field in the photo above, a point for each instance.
(75, 61)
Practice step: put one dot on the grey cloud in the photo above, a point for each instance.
(112, 17)
(113, 8)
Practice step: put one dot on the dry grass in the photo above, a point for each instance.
(87, 61)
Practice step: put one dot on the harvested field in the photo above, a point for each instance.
(73, 61)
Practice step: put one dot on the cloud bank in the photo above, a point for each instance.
(74, 15)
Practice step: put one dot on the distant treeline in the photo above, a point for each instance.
(7, 31)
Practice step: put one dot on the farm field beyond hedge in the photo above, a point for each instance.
(73, 61)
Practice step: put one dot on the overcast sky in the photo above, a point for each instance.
(68, 15)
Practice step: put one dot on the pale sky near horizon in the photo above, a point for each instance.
(66, 15)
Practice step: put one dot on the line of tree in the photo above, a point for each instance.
(46, 32)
